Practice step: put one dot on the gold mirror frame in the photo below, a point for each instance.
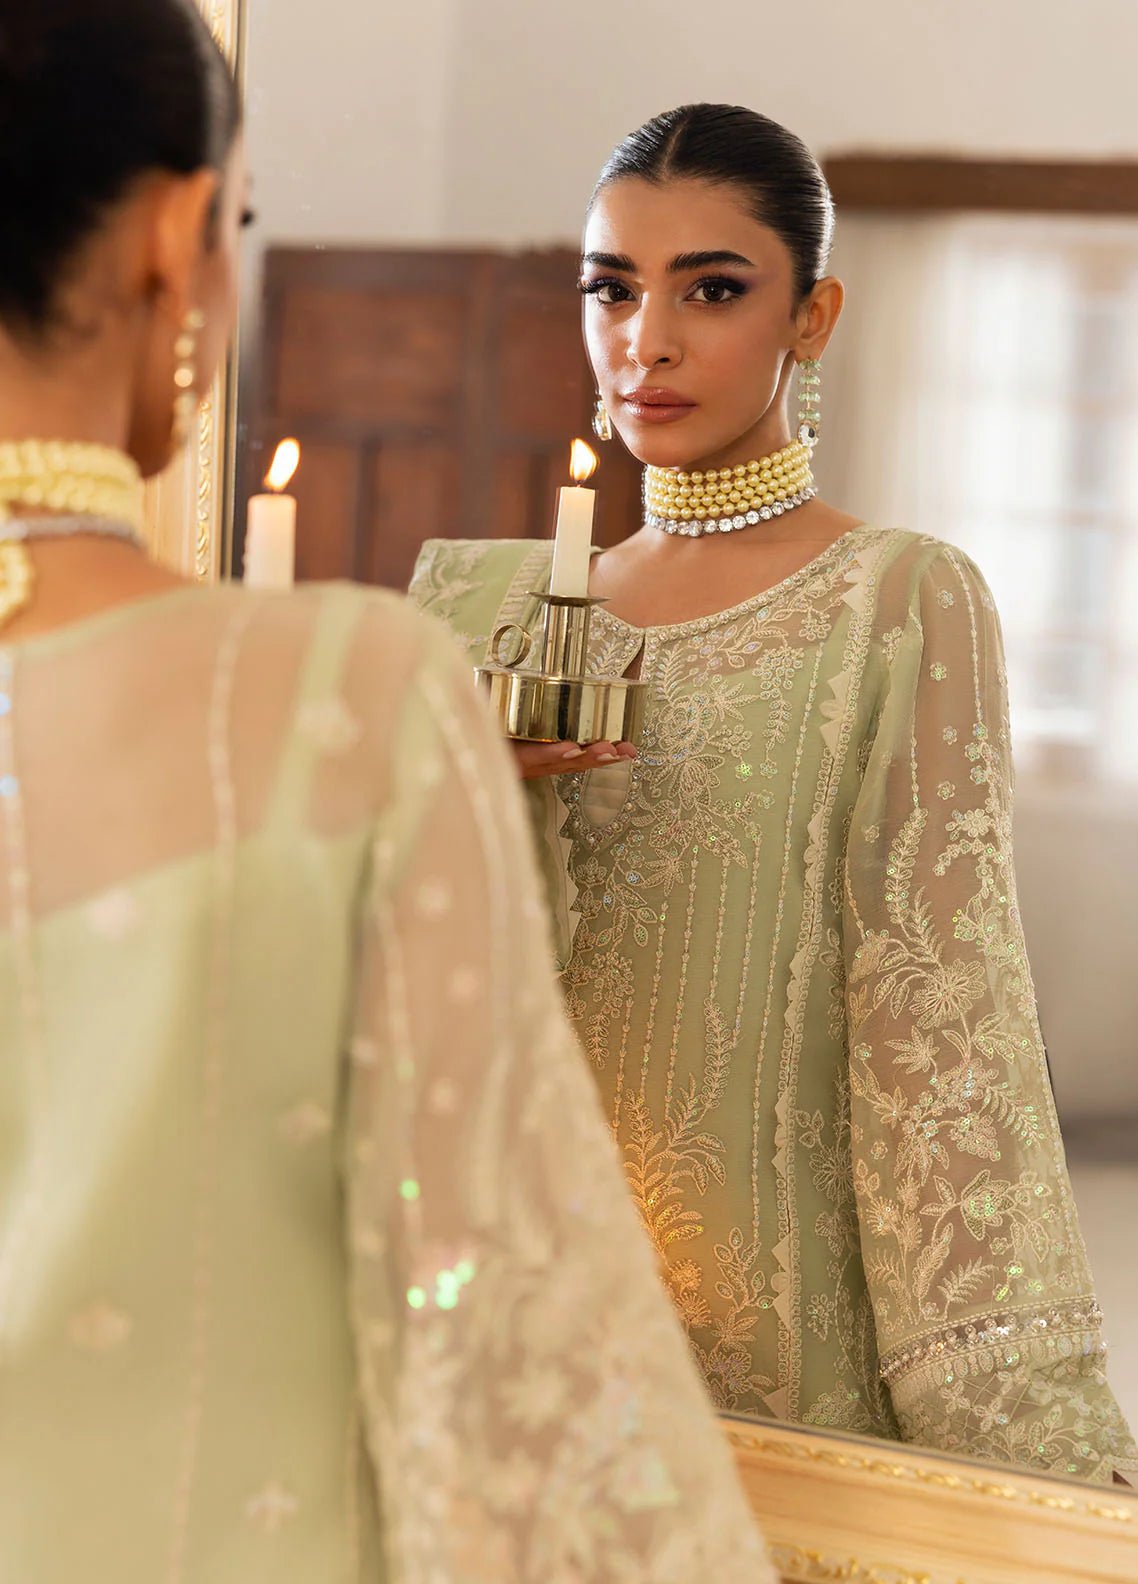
(189, 509)
(835, 1509)
(843, 1509)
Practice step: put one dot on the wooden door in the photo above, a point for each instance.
(434, 394)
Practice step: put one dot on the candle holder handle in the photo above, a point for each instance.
(498, 638)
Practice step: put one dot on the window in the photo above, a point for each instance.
(1011, 422)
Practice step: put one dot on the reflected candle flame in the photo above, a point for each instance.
(582, 461)
(285, 463)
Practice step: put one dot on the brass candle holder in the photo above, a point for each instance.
(559, 701)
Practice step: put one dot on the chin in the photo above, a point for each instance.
(666, 448)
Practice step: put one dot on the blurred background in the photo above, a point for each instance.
(420, 176)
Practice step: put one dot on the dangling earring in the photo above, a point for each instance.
(809, 397)
(186, 400)
(602, 423)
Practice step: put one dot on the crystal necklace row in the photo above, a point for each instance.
(79, 488)
(723, 500)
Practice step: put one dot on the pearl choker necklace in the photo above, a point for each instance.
(722, 500)
(98, 489)
(70, 476)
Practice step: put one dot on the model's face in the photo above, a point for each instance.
(691, 321)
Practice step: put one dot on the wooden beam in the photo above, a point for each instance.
(934, 182)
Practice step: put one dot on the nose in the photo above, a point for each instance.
(653, 339)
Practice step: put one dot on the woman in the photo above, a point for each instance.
(798, 967)
(268, 1312)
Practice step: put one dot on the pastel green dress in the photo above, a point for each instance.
(316, 1265)
(792, 952)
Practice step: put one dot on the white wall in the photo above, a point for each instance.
(347, 118)
(486, 120)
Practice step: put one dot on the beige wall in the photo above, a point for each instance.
(442, 120)
(347, 117)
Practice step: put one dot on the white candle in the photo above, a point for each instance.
(270, 528)
(270, 542)
(573, 547)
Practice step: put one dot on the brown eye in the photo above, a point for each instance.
(248, 218)
(717, 289)
(606, 291)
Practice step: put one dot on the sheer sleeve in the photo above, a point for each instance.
(531, 1408)
(987, 1322)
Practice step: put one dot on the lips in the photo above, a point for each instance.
(657, 404)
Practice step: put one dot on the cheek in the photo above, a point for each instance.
(741, 340)
(603, 343)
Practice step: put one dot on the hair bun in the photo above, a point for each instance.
(93, 93)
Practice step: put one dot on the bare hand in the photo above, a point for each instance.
(549, 759)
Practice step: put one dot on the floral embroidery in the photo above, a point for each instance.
(115, 915)
(435, 899)
(891, 642)
(271, 1508)
(101, 1328)
(305, 1122)
(364, 1051)
(463, 985)
(329, 725)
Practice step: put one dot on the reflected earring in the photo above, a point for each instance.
(809, 398)
(185, 375)
(602, 423)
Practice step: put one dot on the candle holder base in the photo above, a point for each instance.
(533, 707)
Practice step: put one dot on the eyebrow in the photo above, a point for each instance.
(681, 263)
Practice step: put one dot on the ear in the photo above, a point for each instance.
(817, 318)
(178, 235)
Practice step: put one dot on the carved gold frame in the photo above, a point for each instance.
(189, 509)
(842, 1509)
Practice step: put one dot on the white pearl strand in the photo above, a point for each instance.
(726, 499)
(17, 575)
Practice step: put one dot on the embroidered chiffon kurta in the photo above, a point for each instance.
(315, 1258)
(798, 971)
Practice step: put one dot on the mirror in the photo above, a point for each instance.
(849, 1510)
(189, 509)
(409, 315)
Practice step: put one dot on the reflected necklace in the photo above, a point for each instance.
(722, 500)
(99, 490)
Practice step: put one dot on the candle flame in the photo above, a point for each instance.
(582, 461)
(285, 463)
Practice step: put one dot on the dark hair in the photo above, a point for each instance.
(93, 93)
(728, 144)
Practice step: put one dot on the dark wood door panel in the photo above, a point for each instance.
(435, 394)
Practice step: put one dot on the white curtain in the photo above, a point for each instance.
(983, 387)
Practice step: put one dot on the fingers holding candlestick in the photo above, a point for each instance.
(537, 760)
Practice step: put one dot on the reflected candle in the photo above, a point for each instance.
(270, 529)
(573, 546)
